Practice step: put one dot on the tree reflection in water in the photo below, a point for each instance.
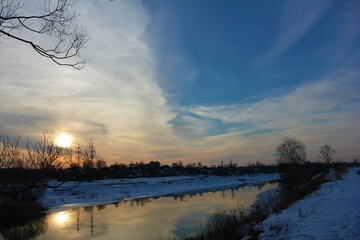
(140, 202)
(90, 210)
(22, 221)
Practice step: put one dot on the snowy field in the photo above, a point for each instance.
(108, 191)
(332, 212)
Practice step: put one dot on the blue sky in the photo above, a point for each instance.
(234, 51)
(196, 80)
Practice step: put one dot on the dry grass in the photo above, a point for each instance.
(240, 221)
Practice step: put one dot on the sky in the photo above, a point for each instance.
(194, 81)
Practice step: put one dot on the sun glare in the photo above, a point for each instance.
(63, 140)
(61, 217)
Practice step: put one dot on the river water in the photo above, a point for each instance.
(148, 219)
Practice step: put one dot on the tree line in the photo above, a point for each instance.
(291, 158)
(26, 167)
(44, 153)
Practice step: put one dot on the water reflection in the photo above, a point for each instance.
(140, 202)
(90, 210)
(135, 219)
(25, 230)
(17, 222)
(101, 207)
(61, 217)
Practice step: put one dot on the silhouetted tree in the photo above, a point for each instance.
(326, 152)
(290, 151)
(72, 157)
(191, 165)
(55, 20)
(42, 159)
(44, 153)
(88, 154)
(291, 154)
(100, 163)
(10, 151)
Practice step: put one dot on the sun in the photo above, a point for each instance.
(63, 140)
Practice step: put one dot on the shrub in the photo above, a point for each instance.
(240, 221)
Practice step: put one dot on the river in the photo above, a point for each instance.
(148, 219)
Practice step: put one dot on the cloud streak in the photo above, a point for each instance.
(114, 100)
(120, 102)
(325, 111)
(297, 19)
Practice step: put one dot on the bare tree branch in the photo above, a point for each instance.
(43, 158)
(56, 20)
(44, 154)
(10, 151)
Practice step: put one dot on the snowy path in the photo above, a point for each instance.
(332, 212)
(108, 191)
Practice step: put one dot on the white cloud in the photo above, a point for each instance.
(117, 101)
(325, 111)
(114, 99)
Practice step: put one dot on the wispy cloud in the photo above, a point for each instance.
(119, 101)
(114, 100)
(344, 45)
(298, 17)
(325, 111)
(175, 70)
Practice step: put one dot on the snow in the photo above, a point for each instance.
(114, 190)
(332, 212)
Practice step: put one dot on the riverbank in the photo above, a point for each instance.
(331, 212)
(114, 190)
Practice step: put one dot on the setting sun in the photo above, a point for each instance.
(63, 140)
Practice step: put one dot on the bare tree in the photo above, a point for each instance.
(56, 20)
(44, 153)
(42, 160)
(28, 184)
(10, 151)
(291, 155)
(88, 153)
(290, 151)
(326, 152)
(71, 157)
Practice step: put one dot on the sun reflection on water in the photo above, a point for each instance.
(61, 217)
(177, 216)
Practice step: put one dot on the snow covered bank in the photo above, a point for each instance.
(332, 212)
(107, 191)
